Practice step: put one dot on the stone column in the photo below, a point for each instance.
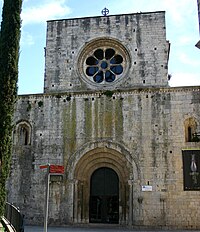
(75, 201)
(130, 218)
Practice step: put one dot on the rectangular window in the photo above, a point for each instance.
(191, 169)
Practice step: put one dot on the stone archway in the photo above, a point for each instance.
(101, 157)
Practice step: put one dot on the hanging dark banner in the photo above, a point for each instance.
(191, 169)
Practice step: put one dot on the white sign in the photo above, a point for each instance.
(146, 188)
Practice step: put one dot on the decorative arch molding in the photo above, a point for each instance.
(22, 133)
(104, 146)
(87, 160)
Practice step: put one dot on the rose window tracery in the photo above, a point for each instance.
(104, 65)
(103, 61)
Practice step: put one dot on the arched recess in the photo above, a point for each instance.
(22, 133)
(103, 157)
(190, 129)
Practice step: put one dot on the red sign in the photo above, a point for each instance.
(44, 166)
(56, 169)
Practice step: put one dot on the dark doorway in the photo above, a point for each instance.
(104, 196)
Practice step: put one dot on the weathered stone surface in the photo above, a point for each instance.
(143, 35)
(137, 129)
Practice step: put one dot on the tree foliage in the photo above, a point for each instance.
(9, 57)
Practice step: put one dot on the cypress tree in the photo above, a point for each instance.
(9, 56)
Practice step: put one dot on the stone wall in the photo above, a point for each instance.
(134, 124)
(144, 128)
(142, 34)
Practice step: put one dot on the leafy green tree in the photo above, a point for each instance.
(9, 56)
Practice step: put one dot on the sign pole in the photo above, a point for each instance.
(54, 169)
(47, 200)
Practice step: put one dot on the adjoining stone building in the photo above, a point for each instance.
(129, 142)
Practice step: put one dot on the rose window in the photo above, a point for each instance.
(103, 61)
(104, 65)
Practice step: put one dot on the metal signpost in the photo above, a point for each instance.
(51, 169)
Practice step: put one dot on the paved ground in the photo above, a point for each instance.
(92, 229)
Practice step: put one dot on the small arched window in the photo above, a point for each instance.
(190, 129)
(189, 134)
(22, 133)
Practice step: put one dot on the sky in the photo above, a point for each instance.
(181, 25)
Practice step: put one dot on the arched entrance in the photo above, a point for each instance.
(104, 196)
(88, 164)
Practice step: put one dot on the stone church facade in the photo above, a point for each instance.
(129, 143)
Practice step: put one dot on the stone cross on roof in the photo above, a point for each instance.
(105, 12)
